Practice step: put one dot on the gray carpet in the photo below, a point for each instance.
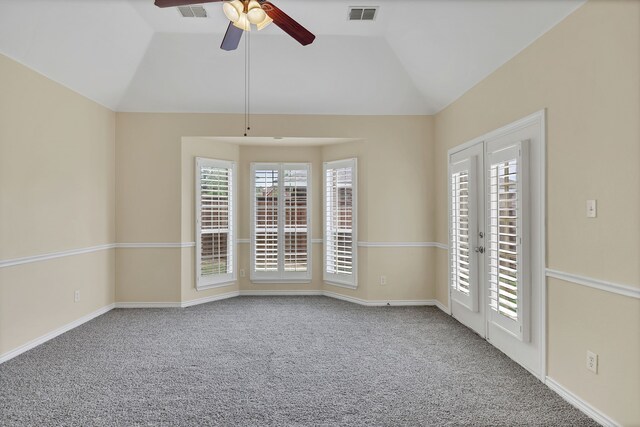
(274, 361)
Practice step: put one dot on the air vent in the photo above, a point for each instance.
(363, 13)
(192, 11)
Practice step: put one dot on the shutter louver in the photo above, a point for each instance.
(339, 209)
(215, 213)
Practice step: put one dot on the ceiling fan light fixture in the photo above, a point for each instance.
(255, 14)
(233, 10)
(243, 23)
(265, 22)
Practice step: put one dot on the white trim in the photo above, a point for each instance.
(441, 306)
(402, 245)
(204, 300)
(183, 304)
(541, 116)
(579, 403)
(379, 303)
(54, 255)
(281, 293)
(171, 245)
(147, 305)
(155, 245)
(280, 281)
(602, 285)
(341, 285)
(56, 332)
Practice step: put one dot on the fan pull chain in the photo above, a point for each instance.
(247, 83)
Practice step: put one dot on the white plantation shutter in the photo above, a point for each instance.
(296, 233)
(215, 234)
(340, 214)
(507, 238)
(281, 219)
(463, 229)
(265, 207)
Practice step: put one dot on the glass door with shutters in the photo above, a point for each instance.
(496, 243)
(466, 236)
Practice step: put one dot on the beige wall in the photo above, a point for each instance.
(57, 193)
(585, 73)
(154, 160)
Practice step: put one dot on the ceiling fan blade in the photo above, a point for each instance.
(288, 24)
(171, 3)
(231, 38)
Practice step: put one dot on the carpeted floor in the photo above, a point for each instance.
(274, 361)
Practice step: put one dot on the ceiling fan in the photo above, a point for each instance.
(244, 13)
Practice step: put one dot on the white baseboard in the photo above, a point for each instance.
(148, 304)
(182, 304)
(583, 406)
(442, 307)
(281, 293)
(378, 303)
(212, 298)
(48, 336)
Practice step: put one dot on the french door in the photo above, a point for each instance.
(466, 237)
(495, 240)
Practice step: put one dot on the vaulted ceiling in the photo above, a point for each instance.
(415, 58)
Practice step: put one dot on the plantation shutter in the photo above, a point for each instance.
(340, 226)
(507, 245)
(266, 204)
(296, 233)
(463, 229)
(281, 219)
(215, 234)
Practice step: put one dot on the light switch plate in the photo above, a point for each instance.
(591, 209)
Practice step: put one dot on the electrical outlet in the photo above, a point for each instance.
(76, 296)
(592, 362)
(383, 280)
(242, 272)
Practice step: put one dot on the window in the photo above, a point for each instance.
(281, 218)
(340, 237)
(215, 223)
(507, 237)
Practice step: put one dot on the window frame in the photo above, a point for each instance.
(216, 280)
(351, 281)
(280, 276)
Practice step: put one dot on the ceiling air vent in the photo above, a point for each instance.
(363, 13)
(192, 11)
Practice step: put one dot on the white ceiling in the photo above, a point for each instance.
(416, 58)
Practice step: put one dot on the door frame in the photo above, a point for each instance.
(538, 213)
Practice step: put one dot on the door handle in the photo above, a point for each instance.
(479, 249)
